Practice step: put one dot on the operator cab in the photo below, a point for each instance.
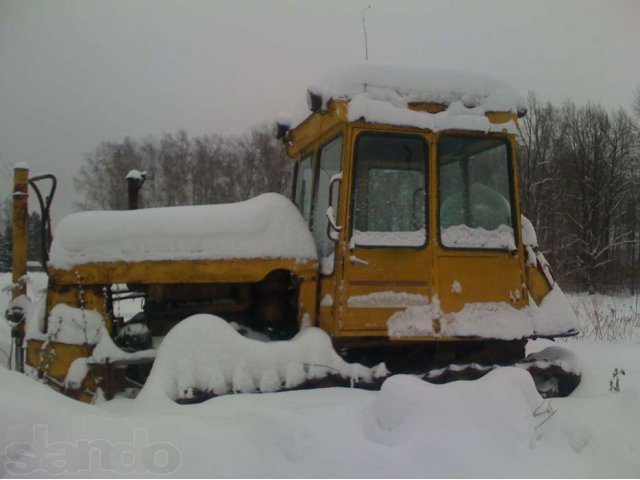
(412, 201)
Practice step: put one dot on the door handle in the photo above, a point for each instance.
(357, 261)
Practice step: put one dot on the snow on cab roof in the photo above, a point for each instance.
(267, 226)
(409, 83)
(382, 94)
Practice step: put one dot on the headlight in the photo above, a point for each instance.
(14, 315)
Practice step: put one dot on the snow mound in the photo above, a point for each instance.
(556, 307)
(75, 325)
(78, 326)
(499, 404)
(267, 226)
(205, 353)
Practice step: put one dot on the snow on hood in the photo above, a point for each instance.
(267, 226)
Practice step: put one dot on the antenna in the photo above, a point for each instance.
(364, 28)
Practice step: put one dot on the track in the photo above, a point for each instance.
(555, 372)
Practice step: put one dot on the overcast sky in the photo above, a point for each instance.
(75, 73)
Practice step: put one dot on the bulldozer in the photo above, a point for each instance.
(402, 239)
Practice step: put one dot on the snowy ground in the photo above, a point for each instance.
(494, 427)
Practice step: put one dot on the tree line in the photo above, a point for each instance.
(34, 253)
(580, 171)
(185, 171)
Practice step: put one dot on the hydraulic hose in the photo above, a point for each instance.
(45, 217)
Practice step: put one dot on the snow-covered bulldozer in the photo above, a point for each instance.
(402, 239)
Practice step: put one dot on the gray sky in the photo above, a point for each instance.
(75, 73)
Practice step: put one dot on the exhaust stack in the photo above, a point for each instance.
(135, 180)
(20, 228)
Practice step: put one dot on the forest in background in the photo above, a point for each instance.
(580, 186)
(579, 170)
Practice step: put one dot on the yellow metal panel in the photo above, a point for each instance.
(326, 314)
(483, 277)
(200, 271)
(307, 301)
(429, 107)
(501, 117)
(308, 135)
(537, 284)
(54, 358)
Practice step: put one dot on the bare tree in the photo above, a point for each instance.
(541, 194)
(636, 103)
(101, 179)
(595, 152)
(184, 171)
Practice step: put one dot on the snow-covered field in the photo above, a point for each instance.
(494, 427)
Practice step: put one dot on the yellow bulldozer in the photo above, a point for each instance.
(402, 239)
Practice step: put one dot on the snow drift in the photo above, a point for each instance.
(205, 353)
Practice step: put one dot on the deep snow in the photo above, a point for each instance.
(496, 426)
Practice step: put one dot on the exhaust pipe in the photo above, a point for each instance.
(20, 229)
(135, 179)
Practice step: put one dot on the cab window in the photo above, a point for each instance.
(304, 185)
(390, 191)
(475, 193)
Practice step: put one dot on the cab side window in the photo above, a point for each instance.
(304, 186)
(329, 164)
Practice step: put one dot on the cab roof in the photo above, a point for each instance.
(409, 96)
(402, 85)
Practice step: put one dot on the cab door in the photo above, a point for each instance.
(386, 258)
(479, 256)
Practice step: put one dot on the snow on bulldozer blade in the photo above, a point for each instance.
(204, 356)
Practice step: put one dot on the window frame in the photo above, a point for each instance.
(354, 168)
(316, 175)
(512, 192)
(312, 155)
